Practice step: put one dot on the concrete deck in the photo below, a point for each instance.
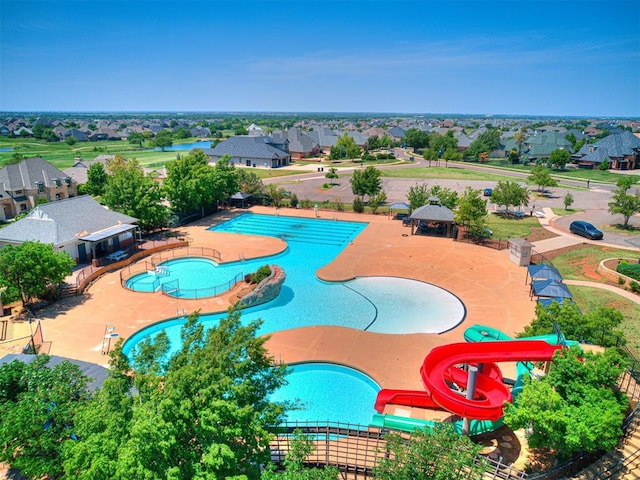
(492, 289)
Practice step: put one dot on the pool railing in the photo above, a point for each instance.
(172, 289)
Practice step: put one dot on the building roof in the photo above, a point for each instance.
(435, 213)
(246, 146)
(616, 145)
(299, 141)
(96, 373)
(63, 221)
(27, 173)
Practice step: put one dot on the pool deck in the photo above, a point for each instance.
(492, 288)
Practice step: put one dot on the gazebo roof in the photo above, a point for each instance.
(543, 271)
(550, 288)
(436, 213)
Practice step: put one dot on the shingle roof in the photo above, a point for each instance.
(436, 213)
(299, 141)
(248, 147)
(26, 173)
(616, 145)
(62, 221)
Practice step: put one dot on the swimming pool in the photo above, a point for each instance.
(192, 273)
(388, 305)
(328, 392)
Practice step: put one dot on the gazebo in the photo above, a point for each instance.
(432, 219)
(550, 288)
(543, 271)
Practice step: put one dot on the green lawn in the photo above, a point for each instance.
(503, 227)
(443, 172)
(573, 265)
(589, 299)
(562, 211)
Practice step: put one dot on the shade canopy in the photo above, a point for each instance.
(544, 272)
(550, 288)
(399, 206)
(547, 302)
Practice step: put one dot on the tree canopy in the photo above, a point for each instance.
(97, 178)
(541, 176)
(472, 211)
(485, 143)
(438, 454)
(30, 268)
(190, 182)
(203, 412)
(624, 202)
(418, 195)
(559, 158)
(345, 147)
(416, 138)
(163, 139)
(510, 194)
(575, 408)
(599, 327)
(366, 182)
(130, 192)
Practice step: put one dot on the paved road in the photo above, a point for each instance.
(591, 204)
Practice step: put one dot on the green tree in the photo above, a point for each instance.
(418, 195)
(567, 200)
(439, 454)
(130, 192)
(510, 194)
(190, 182)
(472, 211)
(430, 155)
(541, 177)
(519, 138)
(225, 179)
(97, 178)
(366, 182)
(38, 405)
(136, 138)
(416, 138)
(598, 327)
(447, 197)
(559, 157)
(486, 142)
(332, 174)
(345, 147)
(276, 194)
(249, 182)
(576, 407)
(373, 143)
(377, 200)
(163, 139)
(301, 448)
(14, 159)
(623, 202)
(30, 268)
(71, 140)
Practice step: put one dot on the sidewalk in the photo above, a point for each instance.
(603, 286)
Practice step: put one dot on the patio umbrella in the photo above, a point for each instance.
(544, 272)
(399, 206)
(550, 288)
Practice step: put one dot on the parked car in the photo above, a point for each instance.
(585, 229)
(487, 192)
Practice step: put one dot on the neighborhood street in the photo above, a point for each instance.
(590, 204)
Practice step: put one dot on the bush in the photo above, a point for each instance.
(262, 273)
(358, 205)
(634, 287)
(294, 200)
(630, 270)
(306, 203)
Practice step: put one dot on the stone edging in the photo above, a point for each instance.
(607, 268)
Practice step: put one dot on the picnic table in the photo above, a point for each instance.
(117, 255)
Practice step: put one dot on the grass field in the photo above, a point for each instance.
(443, 172)
(589, 299)
(581, 263)
(503, 227)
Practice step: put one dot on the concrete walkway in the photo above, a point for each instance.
(603, 286)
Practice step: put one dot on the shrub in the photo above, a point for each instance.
(260, 274)
(358, 205)
(294, 200)
(325, 186)
(634, 287)
(630, 270)
(306, 203)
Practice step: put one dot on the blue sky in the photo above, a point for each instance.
(515, 57)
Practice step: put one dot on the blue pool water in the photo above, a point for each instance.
(379, 304)
(192, 273)
(328, 392)
(186, 146)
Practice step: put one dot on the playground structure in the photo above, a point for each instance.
(465, 380)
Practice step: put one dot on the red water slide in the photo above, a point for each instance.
(440, 366)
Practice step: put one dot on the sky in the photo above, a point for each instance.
(516, 57)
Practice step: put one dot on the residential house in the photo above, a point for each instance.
(396, 133)
(620, 150)
(541, 145)
(325, 137)
(301, 145)
(79, 226)
(251, 151)
(80, 167)
(23, 184)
